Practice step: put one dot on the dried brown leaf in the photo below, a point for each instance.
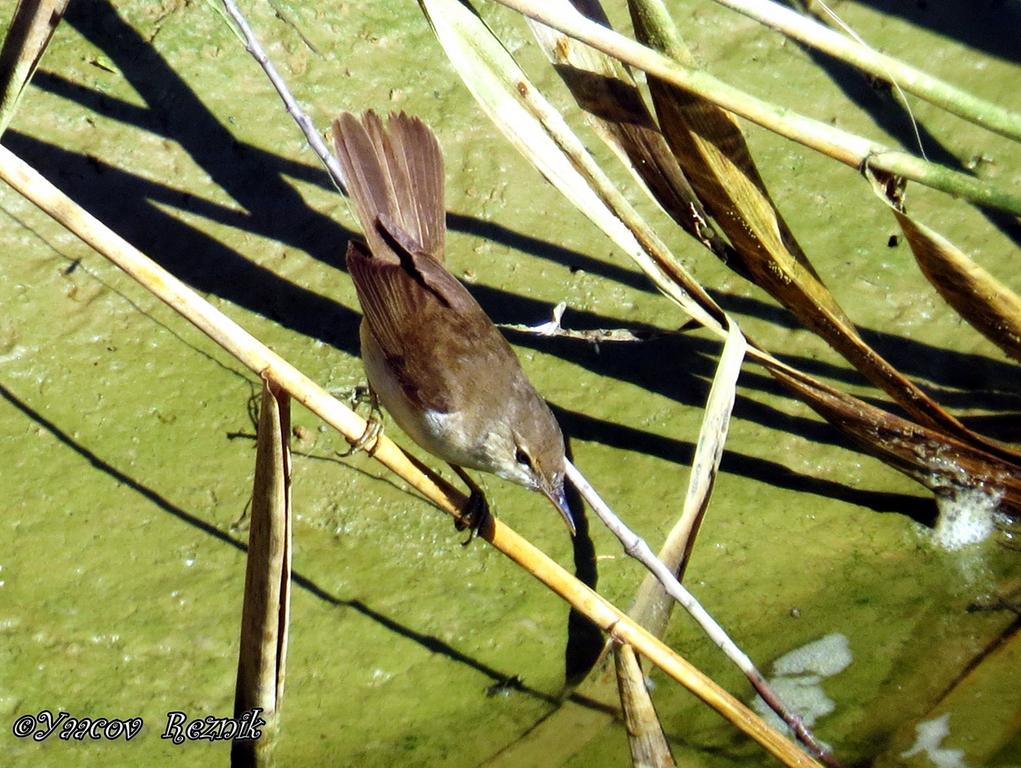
(649, 747)
(615, 108)
(716, 159)
(943, 464)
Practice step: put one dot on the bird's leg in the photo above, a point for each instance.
(373, 425)
(475, 511)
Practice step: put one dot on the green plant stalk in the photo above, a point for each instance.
(850, 149)
(942, 178)
(932, 89)
(661, 30)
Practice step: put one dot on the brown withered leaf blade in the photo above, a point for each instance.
(649, 747)
(716, 159)
(265, 614)
(987, 304)
(943, 464)
(615, 108)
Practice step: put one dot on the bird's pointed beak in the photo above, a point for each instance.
(559, 499)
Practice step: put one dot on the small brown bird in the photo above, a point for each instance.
(433, 357)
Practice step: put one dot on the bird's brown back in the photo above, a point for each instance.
(433, 333)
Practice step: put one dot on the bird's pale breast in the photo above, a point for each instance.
(442, 434)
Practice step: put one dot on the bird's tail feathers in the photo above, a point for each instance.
(393, 170)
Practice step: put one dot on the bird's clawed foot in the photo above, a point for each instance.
(475, 512)
(373, 425)
(474, 516)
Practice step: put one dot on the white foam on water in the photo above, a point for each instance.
(798, 676)
(827, 656)
(965, 517)
(929, 736)
(803, 695)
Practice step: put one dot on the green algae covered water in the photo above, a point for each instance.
(127, 436)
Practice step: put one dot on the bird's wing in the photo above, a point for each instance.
(433, 333)
(396, 172)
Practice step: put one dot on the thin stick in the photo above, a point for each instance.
(270, 366)
(594, 336)
(636, 547)
(850, 149)
(304, 122)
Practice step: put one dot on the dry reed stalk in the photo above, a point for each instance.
(30, 32)
(881, 66)
(637, 548)
(270, 366)
(265, 614)
(854, 151)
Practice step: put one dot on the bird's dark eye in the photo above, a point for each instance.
(522, 457)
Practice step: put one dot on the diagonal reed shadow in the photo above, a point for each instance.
(878, 103)
(271, 207)
(986, 25)
(921, 509)
(430, 642)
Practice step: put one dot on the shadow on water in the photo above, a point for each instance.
(921, 509)
(429, 642)
(584, 639)
(965, 21)
(986, 25)
(130, 206)
(956, 379)
(268, 205)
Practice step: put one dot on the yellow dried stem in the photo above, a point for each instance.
(258, 358)
(649, 747)
(264, 616)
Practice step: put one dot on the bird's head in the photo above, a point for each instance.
(530, 452)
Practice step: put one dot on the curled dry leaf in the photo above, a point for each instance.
(708, 143)
(986, 303)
